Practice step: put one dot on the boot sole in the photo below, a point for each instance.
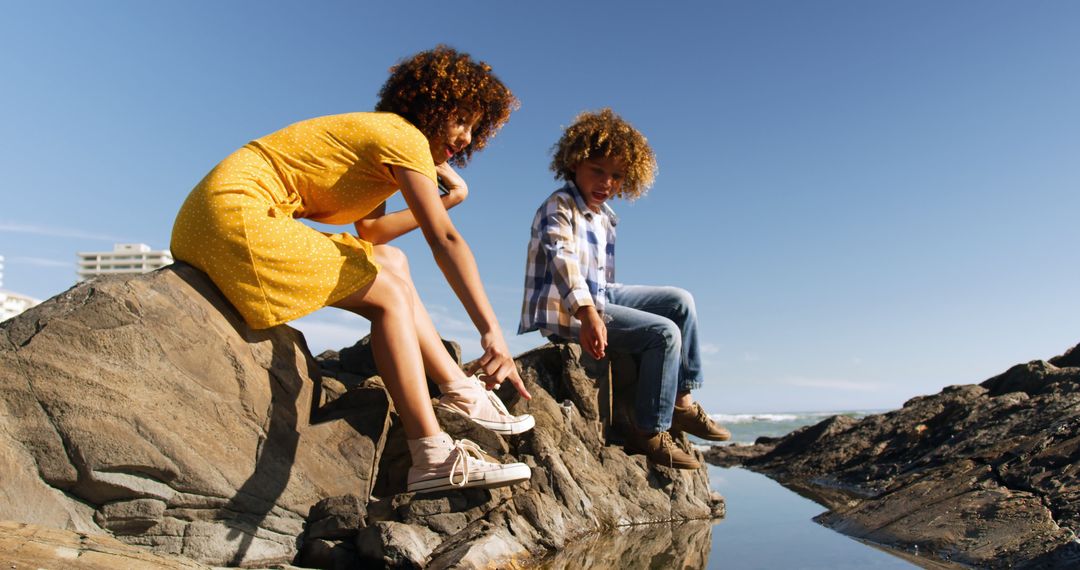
(510, 474)
(522, 425)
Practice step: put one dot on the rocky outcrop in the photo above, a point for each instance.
(143, 408)
(580, 486)
(986, 475)
(146, 409)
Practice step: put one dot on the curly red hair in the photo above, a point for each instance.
(429, 88)
(605, 134)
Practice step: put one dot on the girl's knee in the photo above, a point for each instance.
(392, 259)
(388, 293)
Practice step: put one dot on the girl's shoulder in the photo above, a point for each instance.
(358, 125)
(375, 125)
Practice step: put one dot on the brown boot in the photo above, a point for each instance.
(661, 450)
(694, 421)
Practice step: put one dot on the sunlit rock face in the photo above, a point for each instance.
(986, 475)
(582, 483)
(142, 407)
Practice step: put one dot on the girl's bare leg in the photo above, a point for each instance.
(438, 363)
(460, 394)
(388, 303)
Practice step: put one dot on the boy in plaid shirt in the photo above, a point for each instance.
(570, 291)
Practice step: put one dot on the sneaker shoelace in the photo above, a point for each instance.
(467, 452)
(495, 401)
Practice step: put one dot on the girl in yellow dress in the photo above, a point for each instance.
(240, 226)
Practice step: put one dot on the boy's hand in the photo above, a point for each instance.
(497, 364)
(593, 331)
(454, 183)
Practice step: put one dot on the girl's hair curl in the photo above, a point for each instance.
(604, 134)
(433, 87)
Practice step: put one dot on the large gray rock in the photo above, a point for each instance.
(145, 407)
(986, 475)
(32, 546)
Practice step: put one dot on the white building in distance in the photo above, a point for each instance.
(12, 304)
(124, 258)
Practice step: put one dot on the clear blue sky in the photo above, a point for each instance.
(869, 200)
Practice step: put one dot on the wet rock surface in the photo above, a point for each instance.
(143, 409)
(985, 475)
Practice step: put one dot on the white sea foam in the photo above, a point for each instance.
(748, 418)
(810, 417)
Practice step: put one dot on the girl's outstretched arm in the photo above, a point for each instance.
(457, 263)
(378, 227)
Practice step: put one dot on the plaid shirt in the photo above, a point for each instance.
(562, 270)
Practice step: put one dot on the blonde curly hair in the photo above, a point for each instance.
(428, 88)
(604, 134)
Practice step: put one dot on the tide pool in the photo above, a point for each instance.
(770, 527)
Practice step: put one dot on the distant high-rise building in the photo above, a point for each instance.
(12, 304)
(124, 258)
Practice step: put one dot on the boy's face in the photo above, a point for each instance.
(599, 179)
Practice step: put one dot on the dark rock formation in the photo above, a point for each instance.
(985, 475)
(145, 409)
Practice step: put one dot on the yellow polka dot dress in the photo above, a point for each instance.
(239, 223)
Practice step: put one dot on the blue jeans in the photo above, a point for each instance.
(658, 324)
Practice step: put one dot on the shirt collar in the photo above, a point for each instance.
(584, 207)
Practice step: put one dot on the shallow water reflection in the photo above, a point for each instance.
(768, 526)
(656, 546)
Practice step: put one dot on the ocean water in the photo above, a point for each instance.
(745, 428)
(767, 526)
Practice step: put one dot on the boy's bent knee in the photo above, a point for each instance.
(681, 298)
(665, 334)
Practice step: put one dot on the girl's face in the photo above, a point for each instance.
(454, 137)
(599, 179)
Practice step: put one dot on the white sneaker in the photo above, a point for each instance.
(467, 466)
(483, 407)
